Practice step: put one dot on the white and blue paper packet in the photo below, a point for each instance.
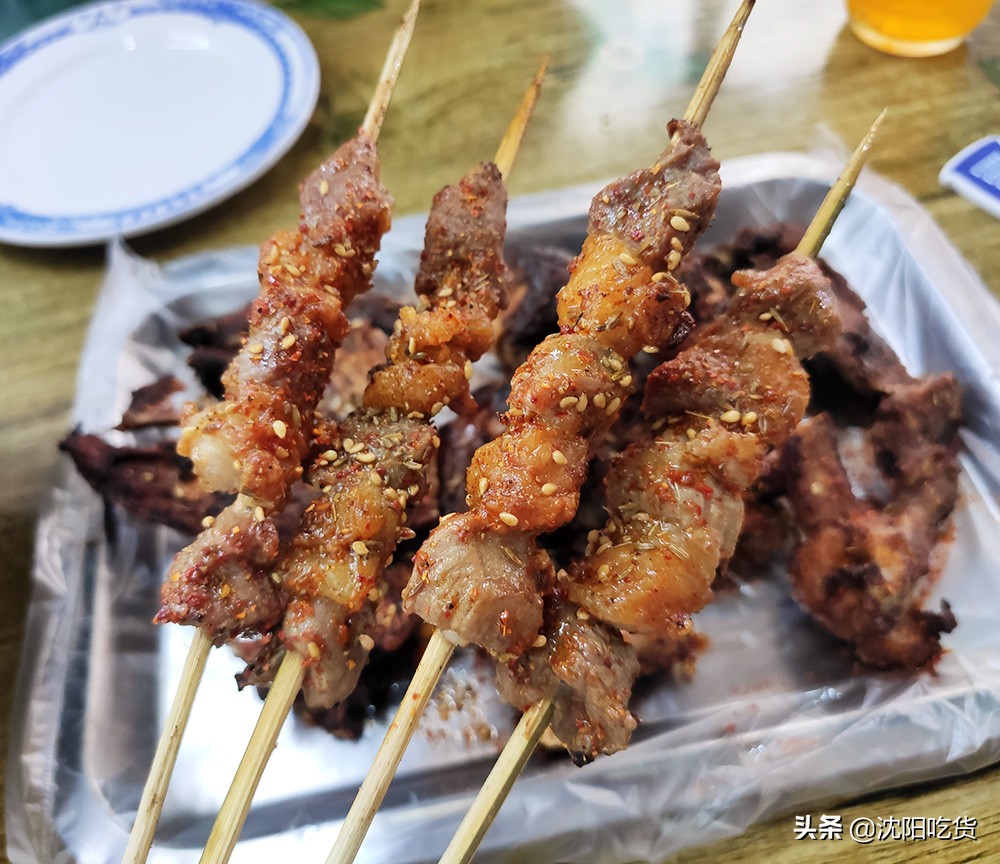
(974, 173)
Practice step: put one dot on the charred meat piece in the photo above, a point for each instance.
(670, 650)
(915, 439)
(563, 401)
(675, 510)
(860, 367)
(153, 482)
(334, 567)
(459, 441)
(376, 309)
(342, 676)
(569, 541)
(214, 344)
(384, 678)
(537, 274)
(363, 349)
(381, 678)
(853, 373)
(766, 538)
(684, 181)
(217, 341)
(214, 347)
(333, 642)
(708, 275)
(221, 581)
(393, 625)
(151, 405)
(368, 469)
(481, 586)
(226, 331)
(862, 568)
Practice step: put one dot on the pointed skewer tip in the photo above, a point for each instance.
(718, 65)
(822, 223)
(511, 142)
(372, 124)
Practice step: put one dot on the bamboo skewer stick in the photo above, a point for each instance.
(387, 759)
(161, 769)
(397, 737)
(291, 672)
(515, 754)
(154, 792)
(510, 145)
(233, 813)
(493, 793)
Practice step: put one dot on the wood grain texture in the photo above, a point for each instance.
(618, 71)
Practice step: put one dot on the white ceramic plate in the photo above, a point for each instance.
(121, 117)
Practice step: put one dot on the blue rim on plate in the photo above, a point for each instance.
(299, 68)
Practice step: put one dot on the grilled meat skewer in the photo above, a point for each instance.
(481, 575)
(220, 582)
(254, 441)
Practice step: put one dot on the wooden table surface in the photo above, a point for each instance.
(619, 70)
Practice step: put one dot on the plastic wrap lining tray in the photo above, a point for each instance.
(775, 719)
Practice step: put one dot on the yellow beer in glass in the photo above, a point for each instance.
(915, 28)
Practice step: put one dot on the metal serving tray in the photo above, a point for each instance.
(775, 718)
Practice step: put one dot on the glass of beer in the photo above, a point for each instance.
(915, 28)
